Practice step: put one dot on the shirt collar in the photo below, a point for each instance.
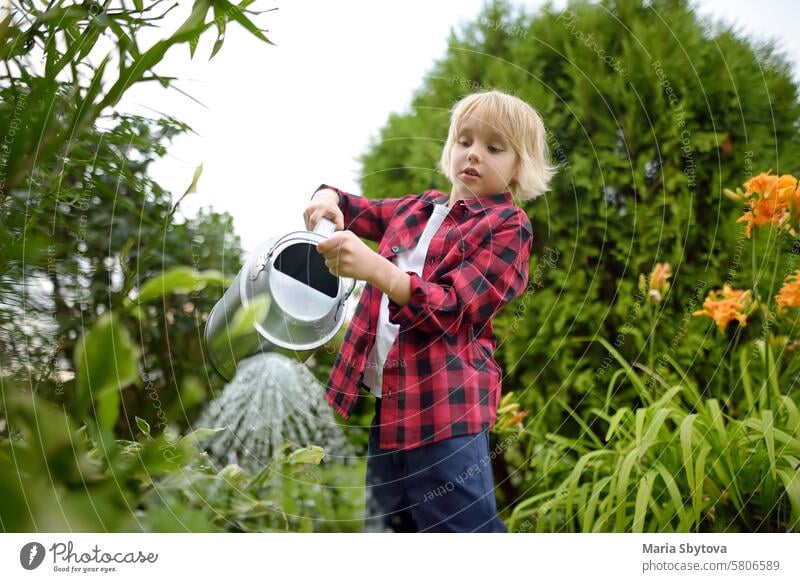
(477, 204)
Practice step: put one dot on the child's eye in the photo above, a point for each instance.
(495, 149)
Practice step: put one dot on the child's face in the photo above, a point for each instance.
(480, 146)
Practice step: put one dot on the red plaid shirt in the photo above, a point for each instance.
(440, 378)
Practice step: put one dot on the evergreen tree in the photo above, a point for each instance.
(650, 114)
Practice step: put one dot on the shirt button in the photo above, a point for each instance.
(395, 249)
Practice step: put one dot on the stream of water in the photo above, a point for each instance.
(272, 400)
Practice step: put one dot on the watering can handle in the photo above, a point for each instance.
(325, 227)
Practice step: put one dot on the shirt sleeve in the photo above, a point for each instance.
(367, 218)
(487, 279)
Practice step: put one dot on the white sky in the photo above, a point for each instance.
(280, 120)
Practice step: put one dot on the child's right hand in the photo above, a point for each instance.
(325, 203)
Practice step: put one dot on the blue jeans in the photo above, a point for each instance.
(446, 486)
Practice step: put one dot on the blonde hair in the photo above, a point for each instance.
(523, 127)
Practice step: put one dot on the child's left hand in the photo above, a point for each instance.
(346, 255)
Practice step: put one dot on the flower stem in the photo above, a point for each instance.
(651, 338)
(731, 364)
(769, 321)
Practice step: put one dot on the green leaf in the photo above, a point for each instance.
(747, 382)
(107, 408)
(615, 421)
(571, 483)
(235, 13)
(4, 26)
(642, 499)
(700, 477)
(651, 434)
(217, 45)
(769, 440)
(179, 280)
(791, 444)
(105, 361)
(11, 40)
(311, 454)
(200, 434)
(686, 431)
(191, 28)
(62, 16)
(623, 476)
(88, 41)
(793, 415)
(86, 111)
(791, 482)
(640, 417)
(198, 171)
(219, 20)
(718, 422)
(161, 455)
(678, 503)
(233, 474)
(586, 428)
(644, 393)
(774, 371)
(143, 426)
(598, 489)
(194, 23)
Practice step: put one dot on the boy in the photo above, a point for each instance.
(421, 339)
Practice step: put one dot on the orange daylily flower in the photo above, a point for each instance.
(513, 420)
(656, 283)
(725, 305)
(509, 413)
(773, 200)
(789, 295)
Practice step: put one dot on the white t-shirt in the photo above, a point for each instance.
(408, 260)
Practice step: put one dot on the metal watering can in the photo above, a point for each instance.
(283, 300)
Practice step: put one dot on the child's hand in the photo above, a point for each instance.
(324, 203)
(346, 255)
